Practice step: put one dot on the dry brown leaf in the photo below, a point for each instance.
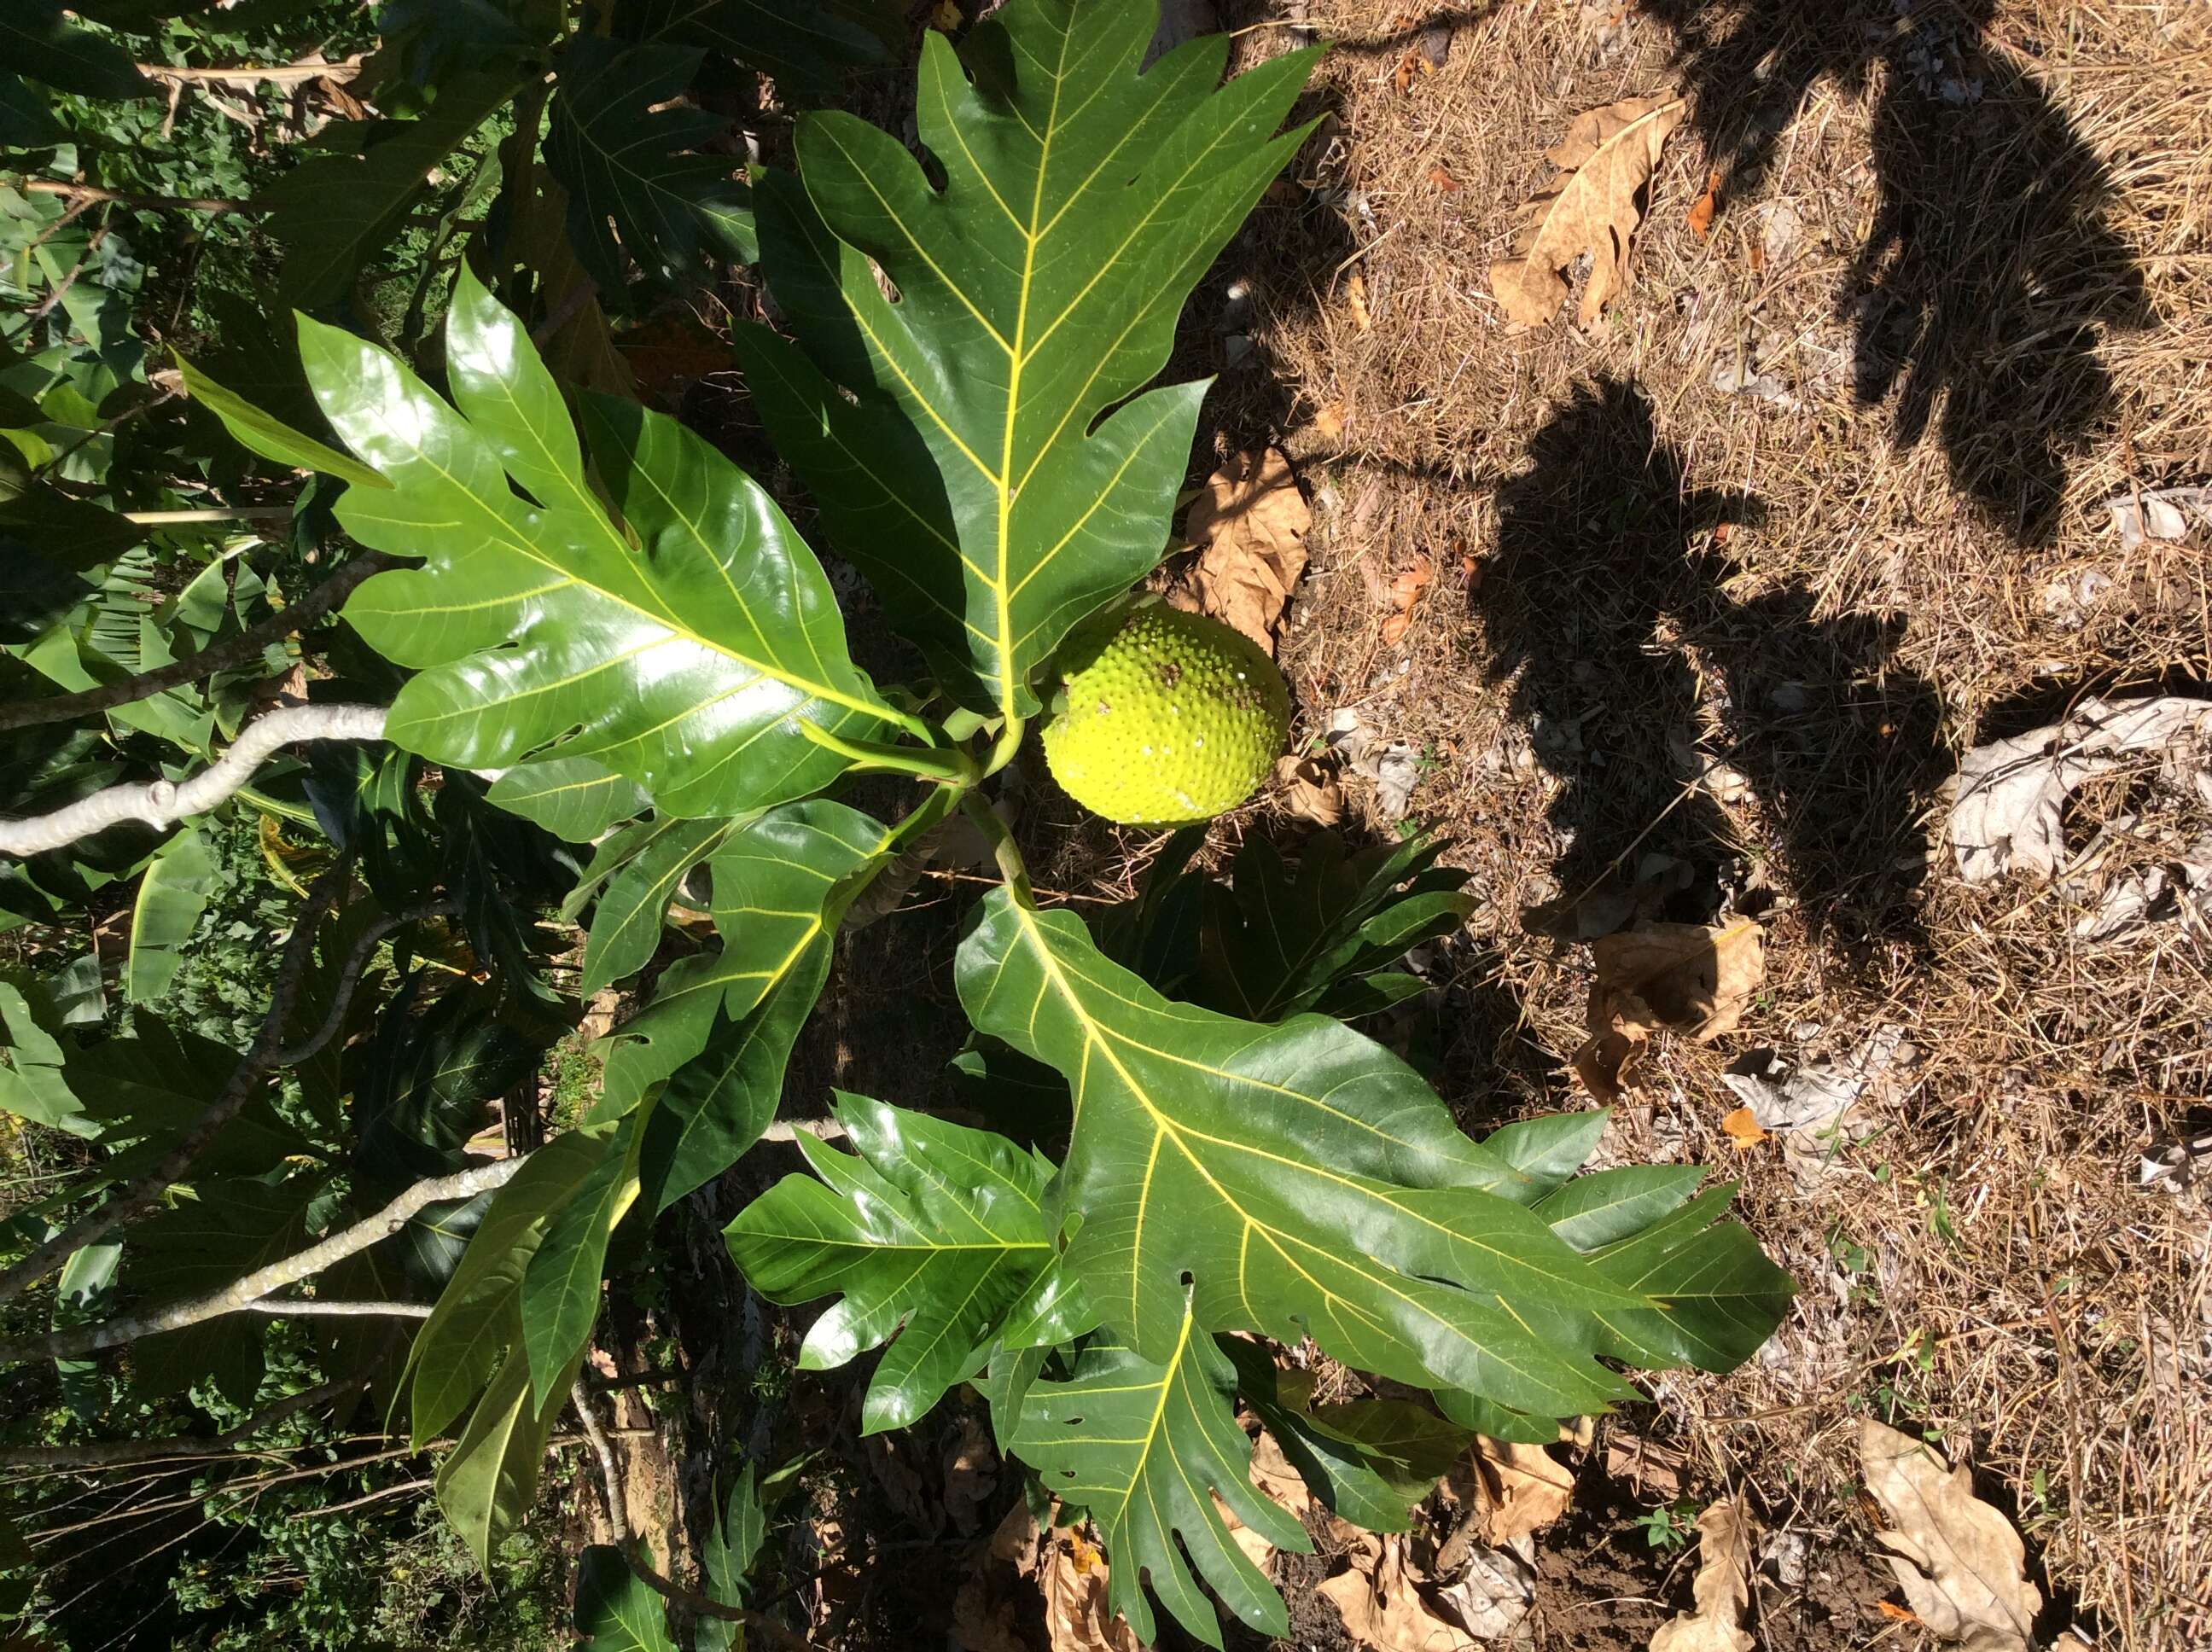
(1442, 179)
(1380, 1600)
(1649, 1469)
(1404, 77)
(1514, 1488)
(1701, 209)
(1310, 789)
(1741, 1127)
(1067, 1569)
(1251, 520)
(1404, 593)
(1962, 1566)
(1722, 1588)
(1328, 422)
(1693, 978)
(1607, 156)
(1355, 294)
(971, 1474)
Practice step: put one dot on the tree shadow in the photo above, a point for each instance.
(1991, 270)
(1609, 610)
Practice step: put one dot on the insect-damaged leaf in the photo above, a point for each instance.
(1039, 288)
(686, 660)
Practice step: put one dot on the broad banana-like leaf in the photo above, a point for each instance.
(616, 146)
(179, 883)
(687, 661)
(1038, 289)
(1137, 1444)
(1299, 1177)
(934, 1231)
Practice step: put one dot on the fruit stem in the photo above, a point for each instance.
(1003, 846)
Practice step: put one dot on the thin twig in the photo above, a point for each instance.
(357, 960)
(142, 203)
(385, 1495)
(244, 1083)
(217, 657)
(108, 1453)
(246, 1292)
(162, 802)
(619, 1518)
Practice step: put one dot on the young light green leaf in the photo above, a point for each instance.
(617, 1611)
(575, 798)
(487, 1482)
(1302, 1176)
(265, 434)
(614, 146)
(179, 883)
(1137, 1444)
(478, 1315)
(560, 1295)
(1038, 289)
(934, 1231)
(686, 664)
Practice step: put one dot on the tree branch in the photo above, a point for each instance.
(102, 1453)
(246, 1292)
(217, 657)
(244, 1082)
(162, 802)
(315, 1307)
(619, 1518)
(372, 938)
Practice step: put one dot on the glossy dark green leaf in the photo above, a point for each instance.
(1037, 290)
(685, 662)
(572, 798)
(1365, 1484)
(1305, 1179)
(25, 122)
(1137, 1444)
(727, 1557)
(617, 1611)
(1710, 1295)
(263, 432)
(1602, 1209)
(627, 925)
(179, 883)
(934, 1232)
(334, 212)
(1276, 940)
(618, 147)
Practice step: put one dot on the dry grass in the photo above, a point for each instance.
(1995, 311)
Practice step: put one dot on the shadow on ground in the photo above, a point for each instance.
(1611, 609)
(1990, 271)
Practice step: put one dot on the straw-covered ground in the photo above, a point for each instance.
(1966, 249)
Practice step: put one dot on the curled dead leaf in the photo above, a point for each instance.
(1310, 789)
(1701, 209)
(1607, 156)
(1512, 1488)
(1442, 179)
(1355, 294)
(1721, 1588)
(1692, 978)
(1741, 1127)
(1251, 521)
(1962, 1566)
(1064, 1566)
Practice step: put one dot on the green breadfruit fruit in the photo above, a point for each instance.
(1171, 719)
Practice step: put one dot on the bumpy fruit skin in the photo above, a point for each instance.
(1173, 719)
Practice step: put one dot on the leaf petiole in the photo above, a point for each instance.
(949, 767)
(1008, 854)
